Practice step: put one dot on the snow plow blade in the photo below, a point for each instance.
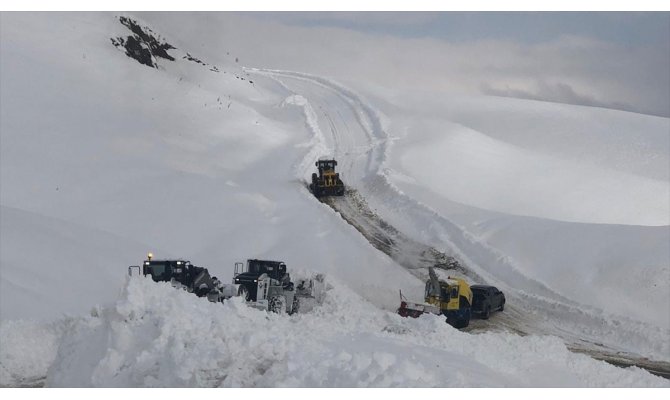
(415, 310)
(325, 191)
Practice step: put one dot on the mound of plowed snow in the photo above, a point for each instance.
(155, 335)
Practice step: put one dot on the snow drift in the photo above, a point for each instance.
(157, 336)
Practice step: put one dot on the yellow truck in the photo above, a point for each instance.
(451, 297)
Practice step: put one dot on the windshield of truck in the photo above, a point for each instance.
(253, 267)
(432, 290)
(444, 294)
(158, 272)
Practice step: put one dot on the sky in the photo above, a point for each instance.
(604, 59)
(634, 28)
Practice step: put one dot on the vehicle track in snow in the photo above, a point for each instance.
(361, 149)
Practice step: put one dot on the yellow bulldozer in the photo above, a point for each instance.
(451, 298)
(327, 182)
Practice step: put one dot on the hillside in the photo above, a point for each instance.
(105, 158)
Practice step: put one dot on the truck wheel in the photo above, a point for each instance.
(243, 293)
(487, 312)
(277, 305)
(459, 323)
(502, 306)
(295, 307)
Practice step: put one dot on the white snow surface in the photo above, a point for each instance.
(565, 208)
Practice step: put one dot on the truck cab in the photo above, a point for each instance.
(453, 297)
(165, 270)
(247, 276)
(192, 278)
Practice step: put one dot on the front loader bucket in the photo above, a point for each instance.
(337, 190)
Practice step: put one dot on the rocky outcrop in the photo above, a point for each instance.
(143, 45)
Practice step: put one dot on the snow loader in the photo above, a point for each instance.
(182, 274)
(327, 182)
(451, 298)
(267, 285)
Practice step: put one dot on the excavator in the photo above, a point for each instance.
(451, 298)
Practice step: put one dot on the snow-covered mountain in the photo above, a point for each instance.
(103, 158)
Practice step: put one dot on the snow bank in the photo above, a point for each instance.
(158, 336)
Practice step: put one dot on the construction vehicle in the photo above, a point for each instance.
(451, 298)
(263, 284)
(267, 285)
(327, 182)
(181, 273)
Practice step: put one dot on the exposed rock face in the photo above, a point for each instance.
(146, 47)
(143, 45)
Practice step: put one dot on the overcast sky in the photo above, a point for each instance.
(616, 60)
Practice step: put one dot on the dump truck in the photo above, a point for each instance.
(451, 297)
(327, 182)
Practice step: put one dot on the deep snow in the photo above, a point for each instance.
(104, 159)
(156, 336)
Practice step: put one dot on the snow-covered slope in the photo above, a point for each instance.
(51, 267)
(104, 159)
(582, 261)
(577, 197)
(172, 158)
